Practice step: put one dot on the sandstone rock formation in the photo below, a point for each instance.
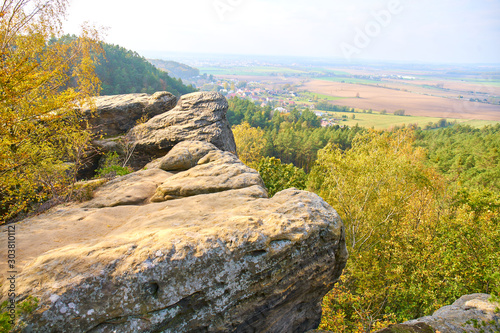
(470, 313)
(183, 156)
(198, 116)
(225, 260)
(216, 171)
(115, 115)
(406, 328)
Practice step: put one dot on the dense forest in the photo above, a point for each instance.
(466, 155)
(122, 71)
(421, 207)
(292, 138)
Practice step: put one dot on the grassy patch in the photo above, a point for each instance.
(7, 315)
(477, 122)
(350, 80)
(495, 83)
(310, 95)
(379, 121)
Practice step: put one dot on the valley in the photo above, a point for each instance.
(462, 94)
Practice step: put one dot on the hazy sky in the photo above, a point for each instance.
(405, 30)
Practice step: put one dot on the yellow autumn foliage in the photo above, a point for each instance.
(43, 80)
(250, 144)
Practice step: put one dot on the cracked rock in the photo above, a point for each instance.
(199, 116)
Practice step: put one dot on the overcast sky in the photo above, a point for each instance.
(443, 31)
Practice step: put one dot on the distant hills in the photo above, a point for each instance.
(176, 69)
(123, 71)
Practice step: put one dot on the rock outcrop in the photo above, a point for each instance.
(404, 328)
(470, 313)
(215, 171)
(116, 115)
(198, 116)
(113, 117)
(228, 259)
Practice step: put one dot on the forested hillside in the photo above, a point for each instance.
(175, 69)
(421, 208)
(122, 71)
(42, 74)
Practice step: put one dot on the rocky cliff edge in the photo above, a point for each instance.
(190, 244)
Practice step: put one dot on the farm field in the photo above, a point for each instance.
(388, 121)
(415, 104)
(321, 96)
(264, 79)
(452, 87)
(464, 94)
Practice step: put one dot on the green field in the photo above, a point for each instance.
(327, 71)
(471, 80)
(495, 83)
(310, 95)
(478, 123)
(350, 80)
(387, 121)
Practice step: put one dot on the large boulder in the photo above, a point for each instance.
(405, 328)
(116, 115)
(231, 260)
(113, 117)
(473, 313)
(183, 156)
(215, 171)
(199, 116)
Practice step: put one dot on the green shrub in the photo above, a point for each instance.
(278, 176)
(112, 167)
(25, 307)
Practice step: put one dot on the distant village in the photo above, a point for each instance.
(281, 99)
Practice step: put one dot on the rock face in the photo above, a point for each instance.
(198, 116)
(470, 313)
(402, 328)
(115, 115)
(183, 156)
(216, 171)
(225, 260)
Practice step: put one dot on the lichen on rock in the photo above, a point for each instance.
(196, 247)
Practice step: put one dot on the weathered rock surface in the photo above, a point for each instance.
(470, 313)
(216, 171)
(198, 116)
(230, 261)
(403, 328)
(115, 115)
(183, 156)
(133, 189)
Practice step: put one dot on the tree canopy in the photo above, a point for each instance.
(415, 243)
(123, 71)
(421, 209)
(42, 82)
